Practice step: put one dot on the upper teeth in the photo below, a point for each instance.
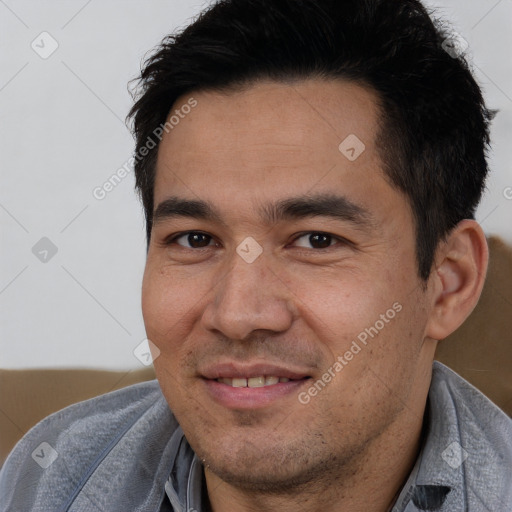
(253, 382)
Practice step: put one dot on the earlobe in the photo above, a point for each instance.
(458, 278)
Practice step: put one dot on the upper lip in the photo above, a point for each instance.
(236, 370)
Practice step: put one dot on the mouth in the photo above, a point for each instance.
(254, 382)
(250, 387)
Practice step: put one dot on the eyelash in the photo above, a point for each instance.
(172, 239)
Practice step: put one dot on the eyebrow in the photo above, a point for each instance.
(321, 205)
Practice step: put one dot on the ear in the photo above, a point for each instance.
(457, 281)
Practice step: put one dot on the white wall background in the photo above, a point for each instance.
(62, 134)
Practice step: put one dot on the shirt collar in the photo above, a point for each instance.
(185, 485)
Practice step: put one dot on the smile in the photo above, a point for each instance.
(253, 382)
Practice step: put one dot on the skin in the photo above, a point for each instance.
(298, 304)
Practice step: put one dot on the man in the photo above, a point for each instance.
(309, 171)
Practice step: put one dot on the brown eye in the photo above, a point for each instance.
(195, 240)
(315, 240)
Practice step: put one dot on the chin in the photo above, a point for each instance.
(268, 466)
(270, 477)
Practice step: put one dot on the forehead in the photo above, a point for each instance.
(269, 139)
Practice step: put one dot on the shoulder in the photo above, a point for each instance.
(67, 446)
(471, 405)
(482, 435)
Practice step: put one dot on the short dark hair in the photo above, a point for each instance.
(434, 126)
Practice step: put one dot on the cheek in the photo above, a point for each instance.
(153, 300)
(164, 305)
(369, 327)
(339, 308)
(163, 317)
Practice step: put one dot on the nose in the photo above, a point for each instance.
(249, 297)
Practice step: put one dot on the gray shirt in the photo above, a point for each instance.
(125, 451)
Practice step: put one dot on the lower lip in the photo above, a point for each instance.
(251, 398)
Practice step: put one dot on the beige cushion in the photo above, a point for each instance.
(28, 396)
(480, 351)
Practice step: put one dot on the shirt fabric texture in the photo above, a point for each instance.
(125, 451)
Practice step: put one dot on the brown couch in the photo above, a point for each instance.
(480, 350)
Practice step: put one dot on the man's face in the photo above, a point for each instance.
(250, 295)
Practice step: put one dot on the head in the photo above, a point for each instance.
(328, 157)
